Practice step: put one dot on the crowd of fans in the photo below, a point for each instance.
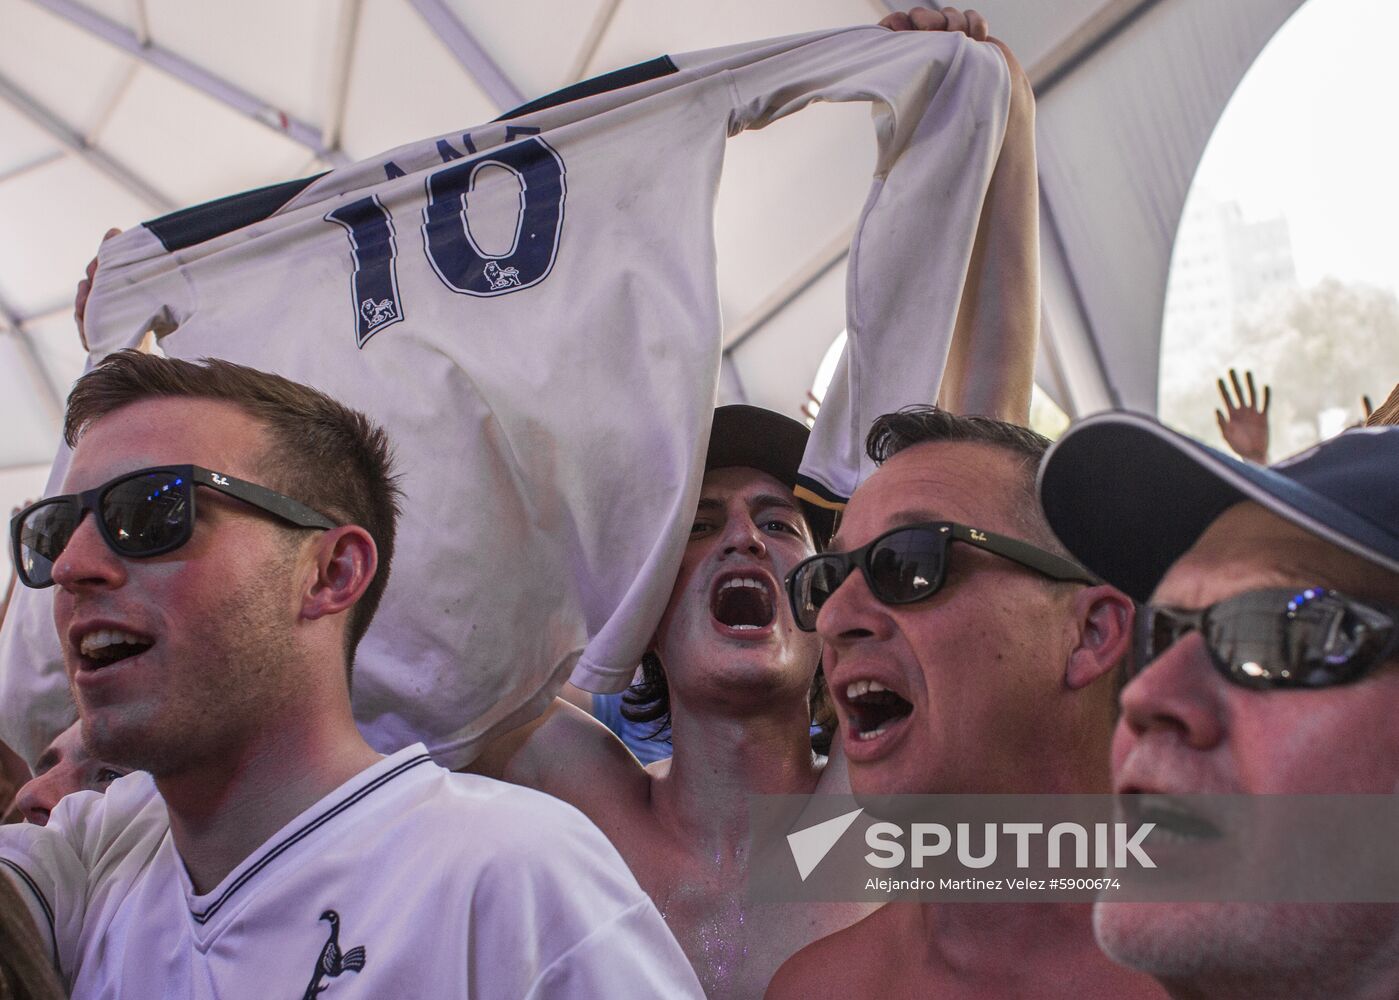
(991, 613)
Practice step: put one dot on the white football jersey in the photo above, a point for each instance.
(407, 881)
(548, 381)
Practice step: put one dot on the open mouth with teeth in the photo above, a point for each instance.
(874, 708)
(743, 603)
(106, 646)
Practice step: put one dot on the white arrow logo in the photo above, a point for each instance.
(809, 846)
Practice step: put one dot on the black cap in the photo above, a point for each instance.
(1128, 496)
(755, 438)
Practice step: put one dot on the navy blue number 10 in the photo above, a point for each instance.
(456, 259)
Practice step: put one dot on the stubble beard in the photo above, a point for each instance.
(237, 671)
(1232, 943)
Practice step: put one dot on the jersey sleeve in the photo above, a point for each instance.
(57, 868)
(567, 910)
(135, 290)
(632, 954)
(940, 107)
(46, 867)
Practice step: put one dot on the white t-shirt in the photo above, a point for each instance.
(426, 883)
(549, 381)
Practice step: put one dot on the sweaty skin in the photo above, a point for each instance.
(740, 723)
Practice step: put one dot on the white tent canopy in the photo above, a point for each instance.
(116, 111)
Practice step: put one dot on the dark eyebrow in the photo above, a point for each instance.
(774, 500)
(902, 519)
(47, 760)
(906, 517)
(757, 502)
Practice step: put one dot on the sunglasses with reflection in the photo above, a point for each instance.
(909, 564)
(1276, 637)
(139, 514)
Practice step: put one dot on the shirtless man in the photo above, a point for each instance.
(997, 675)
(738, 673)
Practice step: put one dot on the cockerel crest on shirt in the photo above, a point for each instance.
(332, 962)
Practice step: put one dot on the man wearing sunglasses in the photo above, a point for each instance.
(1264, 664)
(225, 538)
(966, 654)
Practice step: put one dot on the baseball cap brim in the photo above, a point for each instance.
(1128, 497)
(757, 438)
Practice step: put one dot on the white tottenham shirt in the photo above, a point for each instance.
(549, 391)
(407, 881)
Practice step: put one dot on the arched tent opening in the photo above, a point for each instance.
(1283, 263)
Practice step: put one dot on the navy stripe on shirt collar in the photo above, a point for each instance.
(312, 825)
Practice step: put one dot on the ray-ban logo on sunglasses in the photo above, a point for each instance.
(977, 536)
(218, 479)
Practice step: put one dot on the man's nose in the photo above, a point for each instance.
(742, 535)
(87, 562)
(1178, 691)
(852, 613)
(37, 798)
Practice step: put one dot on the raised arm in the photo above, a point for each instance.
(991, 365)
(566, 753)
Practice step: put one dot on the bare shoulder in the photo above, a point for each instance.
(846, 963)
(570, 755)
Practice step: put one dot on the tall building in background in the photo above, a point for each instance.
(1226, 272)
(1223, 265)
(1260, 256)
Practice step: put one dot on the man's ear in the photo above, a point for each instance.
(345, 561)
(1103, 616)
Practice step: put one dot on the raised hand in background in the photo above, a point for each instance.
(1245, 429)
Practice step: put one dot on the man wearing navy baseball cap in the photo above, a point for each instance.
(1264, 663)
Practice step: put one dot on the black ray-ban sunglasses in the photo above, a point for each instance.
(1279, 637)
(909, 564)
(142, 513)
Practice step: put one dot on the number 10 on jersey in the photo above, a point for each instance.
(451, 251)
